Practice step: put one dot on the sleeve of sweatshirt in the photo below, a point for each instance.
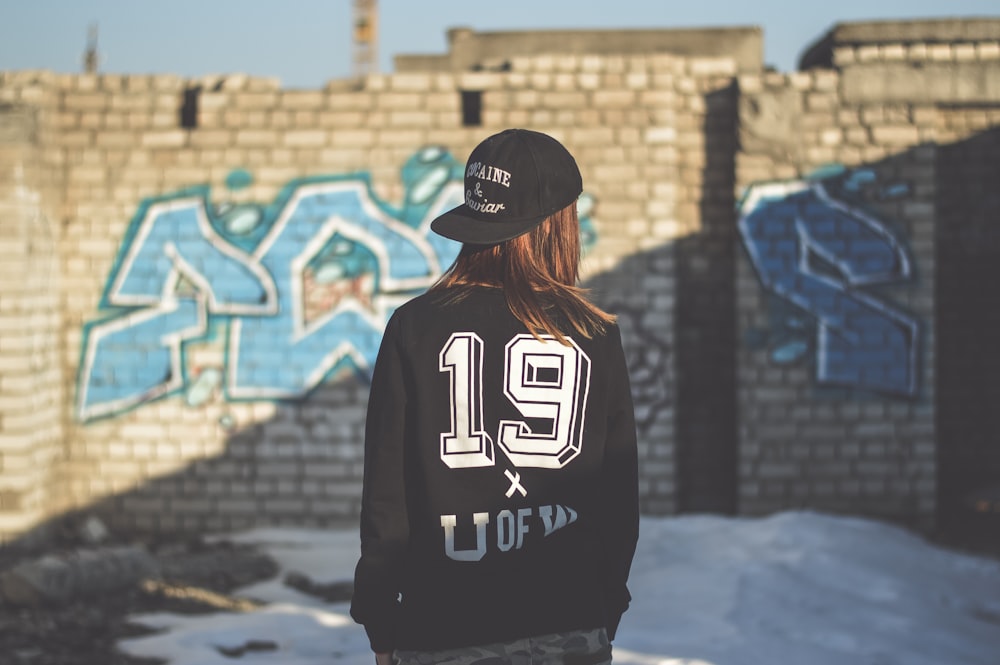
(620, 519)
(384, 519)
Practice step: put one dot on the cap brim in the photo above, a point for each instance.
(460, 224)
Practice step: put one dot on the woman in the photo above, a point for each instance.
(500, 512)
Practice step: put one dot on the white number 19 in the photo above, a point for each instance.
(547, 381)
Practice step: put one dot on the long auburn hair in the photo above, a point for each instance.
(538, 272)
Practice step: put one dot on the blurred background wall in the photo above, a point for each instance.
(195, 274)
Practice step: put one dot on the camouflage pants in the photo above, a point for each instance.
(577, 647)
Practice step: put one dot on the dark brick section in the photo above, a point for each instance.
(706, 381)
(967, 240)
(841, 419)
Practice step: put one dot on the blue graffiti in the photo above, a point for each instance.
(284, 355)
(292, 292)
(817, 251)
(299, 288)
(174, 238)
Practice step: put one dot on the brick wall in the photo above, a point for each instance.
(31, 379)
(220, 254)
(835, 301)
(967, 244)
(130, 147)
(851, 193)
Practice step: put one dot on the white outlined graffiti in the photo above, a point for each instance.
(817, 252)
(188, 272)
(284, 356)
(289, 293)
(175, 239)
(155, 334)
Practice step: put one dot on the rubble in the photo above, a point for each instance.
(61, 578)
(331, 592)
(71, 605)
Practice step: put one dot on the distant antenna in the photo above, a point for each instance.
(90, 55)
(365, 37)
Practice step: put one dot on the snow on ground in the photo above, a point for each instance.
(794, 588)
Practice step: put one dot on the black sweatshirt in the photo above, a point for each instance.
(500, 487)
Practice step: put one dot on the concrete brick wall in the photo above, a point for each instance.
(835, 301)
(840, 301)
(769, 241)
(181, 461)
(31, 378)
(468, 49)
(967, 242)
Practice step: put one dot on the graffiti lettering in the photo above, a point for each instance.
(283, 355)
(288, 294)
(296, 294)
(818, 252)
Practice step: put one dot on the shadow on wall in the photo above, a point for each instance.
(640, 291)
(853, 262)
(281, 471)
(706, 326)
(967, 361)
(302, 466)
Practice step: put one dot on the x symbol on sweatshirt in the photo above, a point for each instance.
(515, 484)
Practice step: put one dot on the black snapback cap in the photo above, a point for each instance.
(513, 181)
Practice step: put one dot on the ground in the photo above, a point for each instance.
(834, 589)
(195, 577)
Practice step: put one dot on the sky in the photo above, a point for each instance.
(794, 587)
(305, 43)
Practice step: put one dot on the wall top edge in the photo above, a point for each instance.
(915, 31)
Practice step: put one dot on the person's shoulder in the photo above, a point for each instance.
(609, 332)
(418, 305)
(416, 312)
(610, 338)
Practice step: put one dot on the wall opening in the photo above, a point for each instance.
(472, 108)
(189, 108)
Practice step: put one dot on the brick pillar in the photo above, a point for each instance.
(30, 375)
(835, 303)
